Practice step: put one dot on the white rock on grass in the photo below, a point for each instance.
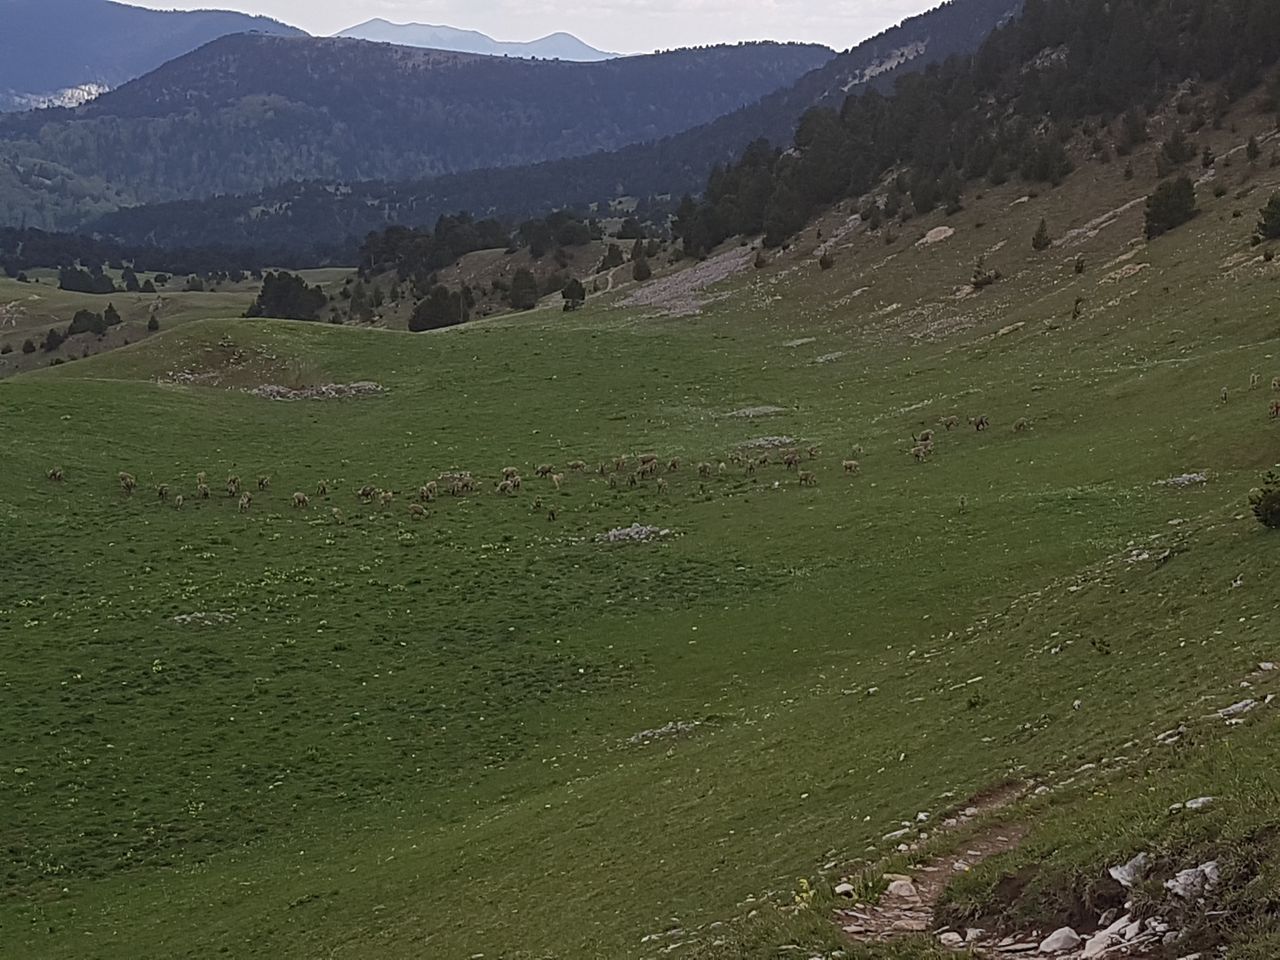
(1060, 941)
(1127, 874)
(1199, 803)
(636, 533)
(904, 889)
(1193, 881)
(844, 890)
(1236, 709)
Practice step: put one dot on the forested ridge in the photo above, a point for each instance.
(323, 217)
(1007, 111)
(251, 111)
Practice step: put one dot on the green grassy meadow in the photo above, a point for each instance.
(403, 737)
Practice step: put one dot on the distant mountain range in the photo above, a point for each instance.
(319, 217)
(250, 111)
(57, 52)
(555, 46)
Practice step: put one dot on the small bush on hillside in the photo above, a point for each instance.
(86, 321)
(612, 258)
(287, 296)
(523, 294)
(7, 348)
(28, 346)
(1269, 219)
(153, 324)
(1171, 205)
(826, 261)
(1252, 151)
(1177, 150)
(641, 271)
(1265, 501)
(574, 293)
(982, 277)
(52, 341)
(1041, 240)
(441, 307)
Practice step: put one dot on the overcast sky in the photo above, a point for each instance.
(625, 26)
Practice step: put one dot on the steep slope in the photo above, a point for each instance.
(48, 48)
(249, 111)
(554, 46)
(316, 217)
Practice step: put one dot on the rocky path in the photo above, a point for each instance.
(907, 907)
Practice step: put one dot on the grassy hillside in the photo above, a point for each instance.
(284, 733)
(29, 310)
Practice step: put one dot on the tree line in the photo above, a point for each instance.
(1006, 111)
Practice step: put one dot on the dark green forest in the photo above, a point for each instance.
(251, 111)
(327, 220)
(1007, 111)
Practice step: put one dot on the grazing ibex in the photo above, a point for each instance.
(852, 466)
(980, 423)
(178, 501)
(417, 511)
(950, 423)
(557, 479)
(162, 491)
(808, 478)
(264, 482)
(301, 500)
(246, 501)
(55, 474)
(1021, 425)
(322, 488)
(202, 491)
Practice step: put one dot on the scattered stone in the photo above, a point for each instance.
(1266, 666)
(1193, 881)
(1183, 480)
(1236, 709)
(324, 391)
(636, 533)
(936, 235)
(1127, 874)
(844, 890)
(204, 618)
(750, 413)
(910, 925)
(1199, 803)
(800, 342)
(951, 939)
(671, 729)
(1060, 941)
(904, 889)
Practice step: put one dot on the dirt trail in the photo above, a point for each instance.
(907, 907)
